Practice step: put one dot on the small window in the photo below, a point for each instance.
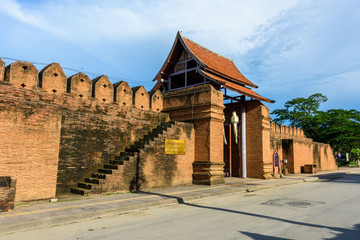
(178, 81)
(183, 56)
(191, 64)
(179, 67)
(194, 78)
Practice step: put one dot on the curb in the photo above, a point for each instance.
(311, 179)
(62, 220)
(58, 219)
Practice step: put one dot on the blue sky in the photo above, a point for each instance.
(289, 48)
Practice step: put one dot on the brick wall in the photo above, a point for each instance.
(30, 136)
(89, 136)
(326, 157)
(44, 131)
(159, 169)
(291, 144)
(151, 168)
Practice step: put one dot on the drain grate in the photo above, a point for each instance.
(298, 204)
(293, 203)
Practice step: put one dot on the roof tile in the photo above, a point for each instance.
(216, 63)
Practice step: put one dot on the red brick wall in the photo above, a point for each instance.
(42, 132)
(152, 168)
(327, 159)
(30, 136)
(159, 169)
(36, 127)
(90, 135)
(299, 150)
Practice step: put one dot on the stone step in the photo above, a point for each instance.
(127, 154)
(148, 138)
(84, 188)
(92, 180)
(85, 185)
(132, 150)
(139, 144)
(105, 171)
(122, 158)
(110, 166)
(117, 162)
(79, 191)
(98, 175)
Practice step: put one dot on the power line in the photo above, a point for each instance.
(77, 70)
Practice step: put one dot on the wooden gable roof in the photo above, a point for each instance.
(213, 66)
(216, 63)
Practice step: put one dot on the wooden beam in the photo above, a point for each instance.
(232, 98)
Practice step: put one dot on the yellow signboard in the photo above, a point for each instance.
(173, 146)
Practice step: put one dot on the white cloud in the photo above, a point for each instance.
(310, 48)
(15, 10)
(89, 22)
(287, 47)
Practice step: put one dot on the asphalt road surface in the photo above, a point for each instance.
(313, 210)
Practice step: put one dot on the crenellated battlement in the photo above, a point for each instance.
(141, 98)
(287, 131)
(53, 80)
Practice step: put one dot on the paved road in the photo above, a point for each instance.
(313, 210)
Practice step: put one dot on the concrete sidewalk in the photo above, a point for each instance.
(74, 208)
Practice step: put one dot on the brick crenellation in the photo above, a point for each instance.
(286, 130)
(52, 79)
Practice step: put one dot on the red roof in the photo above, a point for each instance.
(237, 88)
(216, 63)
(212, 65)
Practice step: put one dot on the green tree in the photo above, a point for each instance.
(338, 127)
(355, 154)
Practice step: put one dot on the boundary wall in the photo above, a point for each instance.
(55, 129)
(300, 151)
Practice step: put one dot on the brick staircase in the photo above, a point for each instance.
(94, 182)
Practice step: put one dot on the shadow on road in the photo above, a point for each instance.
(340, 177)
(343, 233)
(257, 236)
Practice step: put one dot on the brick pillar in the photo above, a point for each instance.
(203, 106)
(259, 153)
(258, 148)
